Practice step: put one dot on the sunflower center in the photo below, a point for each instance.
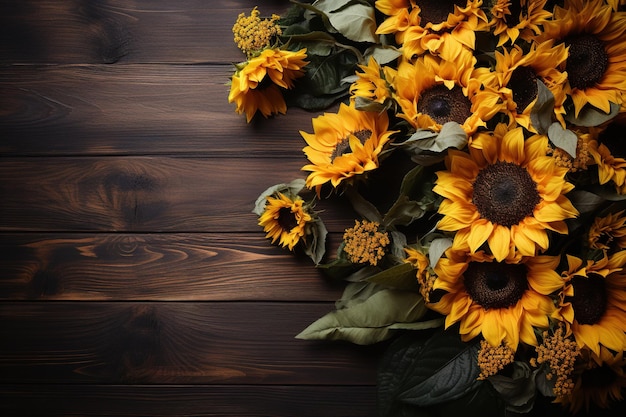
(287, 219)
(613, 138)
(505, 193)
(495, 285)
(590, 298)
(343, 146)
(444, 105)
(587, 61)
(437, 11)
(523, 83)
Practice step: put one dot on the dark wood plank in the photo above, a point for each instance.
(163, 267)
(176, 343)
(210, 400)
(135, 109)
(108, 31)
(140, 194)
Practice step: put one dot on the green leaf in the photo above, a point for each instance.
(403, 212)
(451, 135)
(315, 246)
(420, 325)
(401, 277)
(563, 138)
(354, 20)
(382, 54)
(363, 207)
(591, 116)
(542, 111)
(585, 201)
(291, 189)
(368, 322)
(518, 390)
(437, 248)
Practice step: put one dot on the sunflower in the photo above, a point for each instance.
(519, 18)
(515, 76)
(506, 192)
(504, 301)
(344, 145)
(285, 219)
(432, 92)
(598, 379)
(593, 302)
(608, 233)
(610, 155)
(373, 83)
(255, 84)
(424, 273)
(445, 28)
(596, 41)
(401, 15)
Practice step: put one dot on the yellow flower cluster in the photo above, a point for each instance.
(253, 33)
(365, 243)
(492, 359)
(560, 353)
(582, 160)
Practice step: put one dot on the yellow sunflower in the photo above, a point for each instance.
(285, 219)
(609, 154)
(445, 28)
(424, 273)
(344, 145)
(608, 233)
(401, 15)
(593, 302)
(518, 18)
(596, 39)
(506, 193)
(255, 84)
(504, 301)
(598, 379)
(373, 82)
(514, 80)
(432, 92)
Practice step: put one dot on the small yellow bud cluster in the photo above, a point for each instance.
(492, 360)
(560, 353)
(252, 33)
(364, 243)
(579, 163)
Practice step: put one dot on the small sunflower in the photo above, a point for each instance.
(519, 18)
(609, 153)
(598, 379)
(593, 302)
(445, 28)
(344, 145)
(506, 193)
(514, 80)
(255, 84)
(424, 273)
(504, 301)
(432, 92)
(595, 36)
(374, 82)
(285, 219)
(401, 15)
(608, 233)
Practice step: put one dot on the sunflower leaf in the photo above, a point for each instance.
(382, 54)
(363, 207)
(519, 389)
(353, 19)
(437, 248)
(400, 277)
(563, 138)
(541, 113)
(368, 322)
(591, 116)
(315, 246)
(291, 189)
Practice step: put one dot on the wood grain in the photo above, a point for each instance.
(141, 193)
(159, 267)
(136, 109)
(174, 343)
(174, 400)
(111, 31)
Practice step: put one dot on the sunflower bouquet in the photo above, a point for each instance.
(480, 145)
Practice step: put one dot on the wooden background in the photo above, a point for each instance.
(134, 279)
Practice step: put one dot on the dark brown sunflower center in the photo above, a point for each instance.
(286, 219)
(343, 146)
(436, 11)
(523, 83)
(590, 298)
(614, 138)
(505, 193)
(587, 61)
(444, 105)
(495, 285)
(601, 377)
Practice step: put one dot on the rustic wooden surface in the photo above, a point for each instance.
(134, 280)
